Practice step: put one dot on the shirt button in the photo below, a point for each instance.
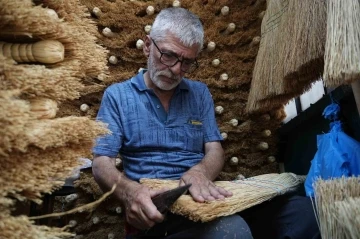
(158, 106)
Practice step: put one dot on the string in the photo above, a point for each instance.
(277, 189)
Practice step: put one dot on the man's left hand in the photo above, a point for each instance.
(202, 188)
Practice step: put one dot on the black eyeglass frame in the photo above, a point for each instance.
(194, 65)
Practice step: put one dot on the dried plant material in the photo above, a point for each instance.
(329, 195)
(59, 83)
(21, 227)
(246, 193)
(342, 54)
(291, 52)
(43, 108)
(15, 113)
(93, 57)
(45, 171)
(62, 131)
(347, 213)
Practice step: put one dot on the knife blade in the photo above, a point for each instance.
(163, 201)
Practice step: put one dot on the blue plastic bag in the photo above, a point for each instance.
(338, 154)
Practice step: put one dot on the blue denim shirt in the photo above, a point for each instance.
(154, 143)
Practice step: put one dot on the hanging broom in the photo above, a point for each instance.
(342, 53)
(246, 193)
(330, 199)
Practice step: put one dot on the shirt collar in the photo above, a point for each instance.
(139, 82)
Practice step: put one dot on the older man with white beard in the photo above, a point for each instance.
(163, 126)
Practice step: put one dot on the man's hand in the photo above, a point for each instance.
(202, 188)
(140, 211)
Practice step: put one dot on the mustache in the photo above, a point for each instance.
(169, 74)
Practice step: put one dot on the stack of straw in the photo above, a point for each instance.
(37, 155)
(337, 203)
(246, 193)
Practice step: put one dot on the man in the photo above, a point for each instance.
(163, 125)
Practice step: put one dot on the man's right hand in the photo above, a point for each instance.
(140, 211)
(135, 198)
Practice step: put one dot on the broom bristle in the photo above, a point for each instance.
(342, 55)
(246, 193)
(327, 193)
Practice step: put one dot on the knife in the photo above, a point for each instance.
(163, 201)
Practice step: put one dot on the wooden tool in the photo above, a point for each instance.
(46, 51)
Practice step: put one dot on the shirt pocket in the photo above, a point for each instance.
(194, 137)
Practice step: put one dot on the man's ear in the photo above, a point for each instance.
(147, 44)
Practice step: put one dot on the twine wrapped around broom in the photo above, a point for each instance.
(246, 193)
(336, 207)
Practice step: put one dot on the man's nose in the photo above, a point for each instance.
(176, 69)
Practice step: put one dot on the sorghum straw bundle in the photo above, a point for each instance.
(14, 114)
(28, 175)
(327, 194)
(304, 43)
(62, 131)
(342, 52)
(347, 213)
(21, 227)
(59, 83)
(263, 80)
(83, 47)
(291, 52)
(246, 193)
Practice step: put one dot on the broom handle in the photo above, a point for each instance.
(47, 51)
(356, 90)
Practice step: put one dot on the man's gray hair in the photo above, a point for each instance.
(180, 22)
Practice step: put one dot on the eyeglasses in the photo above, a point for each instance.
(170, 59)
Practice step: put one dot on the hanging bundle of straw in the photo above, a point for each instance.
(15, 113)
(263, 79)
(304, 44)
(246, 193)
(291, 52)
(342, 54)
(334, 200)
(83, 46)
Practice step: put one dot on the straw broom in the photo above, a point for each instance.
(304, 44)
(342, 53)
(262, 78)
(291, 53)
(246, 193)
(327, 195)
(347, 214)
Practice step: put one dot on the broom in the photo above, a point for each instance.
(348, 212)
(246, 193)
(342, 49)
(331, 200)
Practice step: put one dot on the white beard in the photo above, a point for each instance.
(155, 76)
